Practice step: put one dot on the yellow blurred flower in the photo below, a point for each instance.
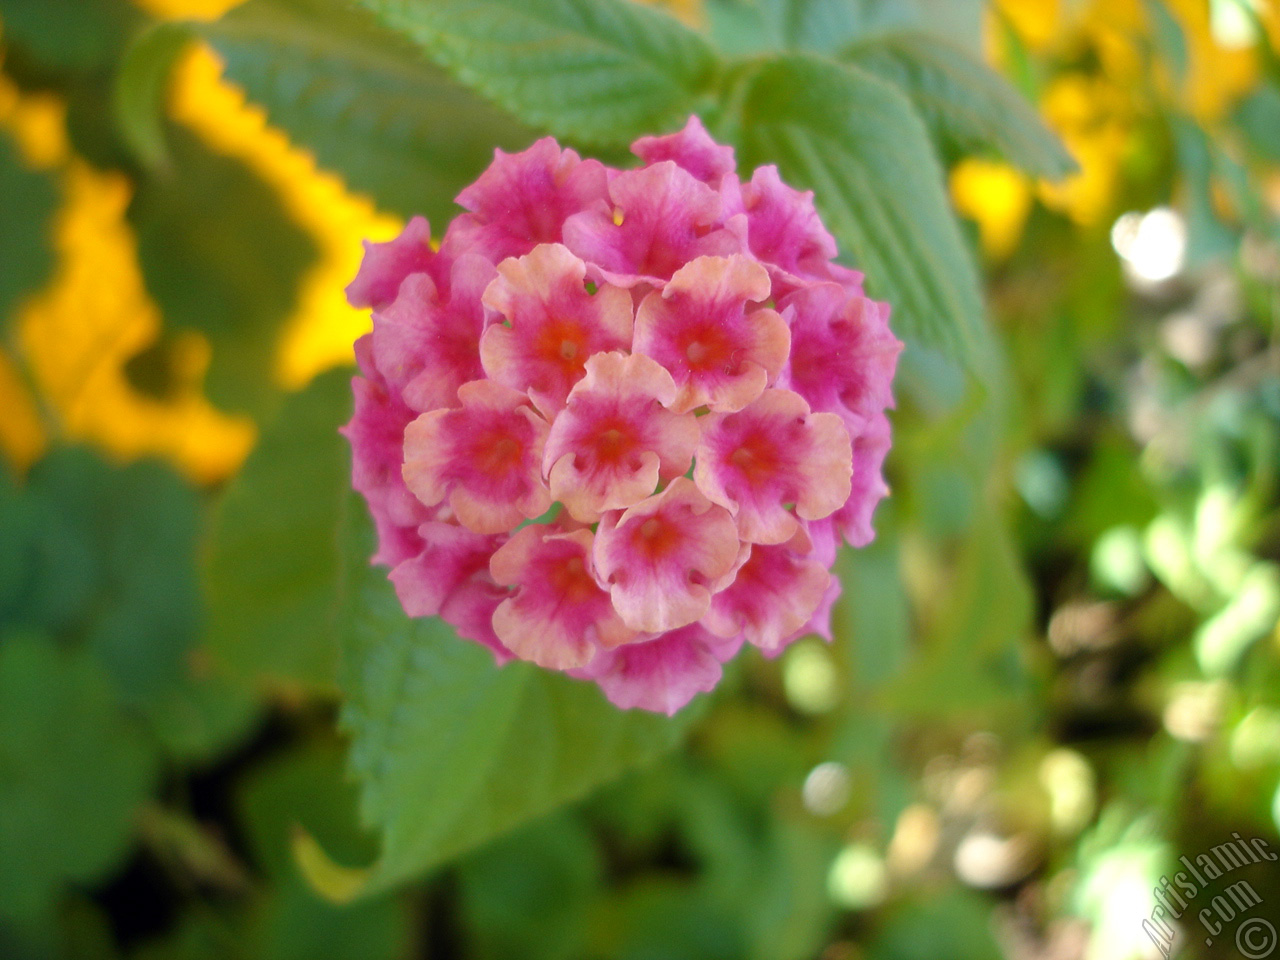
(1095, 109)
(997, 197)
(322, 329)
(95, 315)
(77, 333)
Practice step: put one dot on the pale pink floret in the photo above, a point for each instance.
(426, 345)
(691, 149)
(771, 453)
(523, 199)
(552, 324)
(702, 327)
(665, 673)
(485, 458)
(615, 438)
(775, 592)
(661, 218)
(558, 616)
(843, 356)
(385, 265)
(659, 557)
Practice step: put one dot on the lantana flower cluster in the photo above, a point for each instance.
(617, 422)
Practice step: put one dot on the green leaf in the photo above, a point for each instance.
(451, 750)
(106, 557)
(221, 255)
(138, 97)
(856, 142)
(603, 71)
(827, 26)
(964, 100)
(365, 100)
(69, 35)
(26, 236)
(73, 773)
(273, 561)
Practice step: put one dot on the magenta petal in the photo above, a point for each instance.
(870, 447)
(661, 218)
(692, 149)
(523, 199)
(376, 434)
(450, 556)
(385, 265)
(426, 347)
(663, 674)
(843, 356)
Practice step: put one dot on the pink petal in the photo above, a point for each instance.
(522, 199)
(552, 326)
(665, 673)
(661, 218)
(385, 265)
(426, 348)
(615, 438)
(691, 149)
(558, 616)
(870, 447)
(450, 556)
(783, 228)
(775, 593)
(843, 356)
(486, 458)
(658, 557)
(376, 434)
(771, 453)
(699, 327)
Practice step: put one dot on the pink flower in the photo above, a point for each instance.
(704, 328)
(771, 453)
(620, 422)
(693, 150)
(426, 348)
(559, 617)
(617, 438)
(524, 198)
(486, 458)
(665, 673)
(387, 264)
(661, 218)
(660, 557)
(773, 593)
(551, 324)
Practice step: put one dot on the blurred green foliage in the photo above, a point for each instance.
(1057, 668)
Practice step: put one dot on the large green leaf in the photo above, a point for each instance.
(603, 71)
(73, 773)
(856, 142)
(963, 100)
(451, 750)
(273, 555)
(365, 100)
